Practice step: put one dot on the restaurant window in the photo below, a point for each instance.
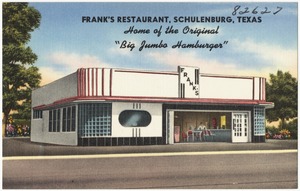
(69, 119)
(37, 114)
(54, 120)
(94, 119)
(134, 118)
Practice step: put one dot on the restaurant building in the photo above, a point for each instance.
(110, 107)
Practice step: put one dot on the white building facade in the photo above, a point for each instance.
(110, 107)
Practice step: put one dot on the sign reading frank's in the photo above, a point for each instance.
(188, 82)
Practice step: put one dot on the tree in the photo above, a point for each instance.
(19, 74)
(282, 90)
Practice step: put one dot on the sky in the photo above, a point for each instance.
(250, 44)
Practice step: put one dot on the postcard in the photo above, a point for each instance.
(150, 95)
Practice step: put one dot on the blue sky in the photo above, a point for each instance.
(64, 43)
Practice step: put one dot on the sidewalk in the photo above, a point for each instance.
(23, 147)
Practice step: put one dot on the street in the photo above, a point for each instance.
(217, 171)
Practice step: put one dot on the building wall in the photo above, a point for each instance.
(226, 87)
(40, 132)
(95, 82)
(154, 129)
(186, 83)
(63, 88)
(145, 84)
(117, 82)
(124, 134)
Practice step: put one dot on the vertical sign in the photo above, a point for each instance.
(188, 82)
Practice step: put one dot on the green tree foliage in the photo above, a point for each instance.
(292, 126)
(19, 74)
(282, 90)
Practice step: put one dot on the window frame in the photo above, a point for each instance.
(37, 114)
(54, 120)
(95, 119)
(62, 119)
(69, 119)
(133, 115)
(259, 121)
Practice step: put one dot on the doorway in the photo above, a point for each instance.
(240, 127)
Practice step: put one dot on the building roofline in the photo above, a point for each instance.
(198, 101)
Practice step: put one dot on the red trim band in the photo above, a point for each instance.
(147, 72)
(155, 100)
(219, 76)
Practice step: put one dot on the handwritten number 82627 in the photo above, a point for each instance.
(238, 10)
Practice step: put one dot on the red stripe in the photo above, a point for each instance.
(84, 82)
(147, 72)
(78, 82)
(96, 81)
(88, 82)
(110, 83)
(93, 82)
(260, 82)
(155, 100)
(219, 76)
(40, 106)
(253, 91)
(81, 82)
(264, 89)
(102, 81)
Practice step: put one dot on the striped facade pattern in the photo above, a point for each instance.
(94, 82)
(259, 88)
(97, 82)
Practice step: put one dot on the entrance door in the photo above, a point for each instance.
(240, 127)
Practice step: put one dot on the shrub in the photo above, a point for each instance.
(285, 133)
(271, 131)
(292, 127)
(289, 132)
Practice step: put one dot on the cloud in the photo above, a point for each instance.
(275, 56)
(72, 61)
(271, 58)
(63, 63)
(174, 58)
(50, 74)
(121, 51)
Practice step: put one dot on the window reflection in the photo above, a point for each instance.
(134, 118)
